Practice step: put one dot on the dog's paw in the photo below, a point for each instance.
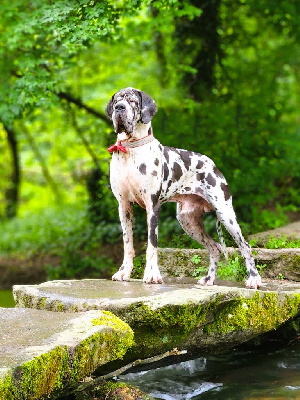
(253, 282)
(152, 276)
(121, 275)
(206, 281)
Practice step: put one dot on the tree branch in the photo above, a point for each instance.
(71, 99)
(92, 382)
(83, 138)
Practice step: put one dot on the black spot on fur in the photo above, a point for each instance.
(128, 216)
(154, 173)
(218, 173)
(187, 188)
(165, 172)
(142, 169)
(166, 154)
(153, 225)
(226, 191)
(200, 176)
(253, 273)
(177, 172)
(199, 190)
(211, 180)
(199, 164)
(169, 184)
(155, 197)
(156, 161)
(186, 157)
(231, 221)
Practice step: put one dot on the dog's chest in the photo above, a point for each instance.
(136, 174)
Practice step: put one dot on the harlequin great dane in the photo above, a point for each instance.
(144, 171)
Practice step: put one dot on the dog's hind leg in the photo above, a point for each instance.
(190, 218)
(126, 218)
(227, 216)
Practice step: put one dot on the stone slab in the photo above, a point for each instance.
(178, 262)
(179, 313)
(41, 352)
(290, 231)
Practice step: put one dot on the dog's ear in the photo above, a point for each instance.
(109, 108)
(148, 108)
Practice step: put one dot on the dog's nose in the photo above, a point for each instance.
(120, 107)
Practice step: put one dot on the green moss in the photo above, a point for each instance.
(164, 328)
(58, 306)
(115, 391)
(41, 303)
(23, 300)
(293, 263)
(49, 372)
(7, 389)
(159, 330)
(261, 313)
(37, 378)
(102, 347)
(45, 373)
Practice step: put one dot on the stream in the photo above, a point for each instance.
(265, 373)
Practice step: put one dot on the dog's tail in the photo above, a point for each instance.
(221, 237)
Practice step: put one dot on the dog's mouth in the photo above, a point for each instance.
(120, 127)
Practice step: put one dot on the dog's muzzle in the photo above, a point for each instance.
(123, 118)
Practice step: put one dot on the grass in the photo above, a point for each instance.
(234, 269)
(278, 243)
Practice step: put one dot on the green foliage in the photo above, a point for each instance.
(278, 243)
(282, 243)
(139, 264)
(74, 265)
(65, 232)
(233, 98)
(234, 269)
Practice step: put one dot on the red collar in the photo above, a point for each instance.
(117, 147)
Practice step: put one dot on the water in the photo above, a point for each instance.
(235, 375)
(6, 298)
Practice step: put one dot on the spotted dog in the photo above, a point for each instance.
(145, 172)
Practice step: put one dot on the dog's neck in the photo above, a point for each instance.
(140, 132)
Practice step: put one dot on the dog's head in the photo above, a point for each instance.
(128, 108)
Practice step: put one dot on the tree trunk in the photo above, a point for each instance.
(12, 192)
(201, 32)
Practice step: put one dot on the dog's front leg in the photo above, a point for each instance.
(126, 218)
(152, 273)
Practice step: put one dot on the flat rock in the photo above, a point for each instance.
(277, 262)
(41, 352)
(178, 313)
(290, 231)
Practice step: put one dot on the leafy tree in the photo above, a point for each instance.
(224, 75)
